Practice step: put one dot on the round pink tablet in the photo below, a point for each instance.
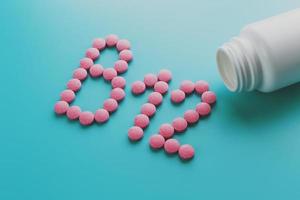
(150, 80)
(161, 87)
(164, 75)
(138, 87)
(61, 107)
(123, 44)
(201, 86)
(177, 96)
(99, 43)
(73, 112)
(186, 152)
(92, 53)
(187, 86)
(67, 95)
(171, 146)
(86, 63)
(179, 124)
(110, 105)
(121, 66)
(126, 55)
(208, 97)
(135, 133)
(191, 116)
(80, 74)
(109, 74)
(101, 115)
(117, 93)
(156, 141)
(203, 108)
(141, 120)
(111, 40)
(96, 70)
(86, 118)
(166, 130)
(74, 84)
(148, 109)
(118, 82)
(155, 98)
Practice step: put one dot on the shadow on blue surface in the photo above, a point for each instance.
(256, 108)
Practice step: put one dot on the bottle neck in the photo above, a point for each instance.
(239, 65)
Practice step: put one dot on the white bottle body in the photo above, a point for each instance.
(266, 55)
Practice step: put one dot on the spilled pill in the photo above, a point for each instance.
(61, 107)
(101, 115)
(110, 105)
(92, 53)
(86, 63)
(201, 86)
(111, 40)
(118, 82)
(74, 84)
(123, 44)
(135, 133)
(164, 75)
(73, 112)
(148, 109)
(86, 118)
(80, 74)
(155, 98)
(177, 96)
(187, 86)
(166, 130)
(156, 141)
(138, 87)
(67, 95)
(186, 152)
(99, 43)
(109, 74)
(126, 55)
(150, 80)
(179, 124)
(208, 97)
(141, 120)
(121, 66)
(203, 108)
(96, 70)
(191, 116)
(161, 87)
(117, 94)
(171, 146)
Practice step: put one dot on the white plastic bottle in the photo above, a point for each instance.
(265, 56)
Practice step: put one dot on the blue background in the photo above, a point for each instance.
(247, 149)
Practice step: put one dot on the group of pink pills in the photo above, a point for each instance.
(87, 66)
(158, 83)
(166, 131)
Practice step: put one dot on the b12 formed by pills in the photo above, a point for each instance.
(158, 83)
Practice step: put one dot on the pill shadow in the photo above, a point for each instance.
(254, 108)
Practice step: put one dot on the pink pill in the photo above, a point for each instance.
(150, 80)
(135, 133)
(117, 94)
(191, 116)
(179, 124)
(109, 73)
(74, 84)
(161, 87)
(186, 152)
(86, 118)
(96, 70)
(111, 40)
(148, 109)
(171, 146)
(164, 75)
(138, 87)
(101, 115)
(118, 82)
(123, 44)
(201, 86)
(155, 98)
(86, 63)
(92, 53)
(80, 74)
(73, 112)
(203, 108)
(157, 141)
(141, 120)
(67, 95)
(99, 43)
(177, 96)
(166, 130)
(126, 55)
(208, 97)
(110, 105)
(121, 66)
(61, 107)
(187, 86)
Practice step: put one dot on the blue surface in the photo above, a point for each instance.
(247, 149)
